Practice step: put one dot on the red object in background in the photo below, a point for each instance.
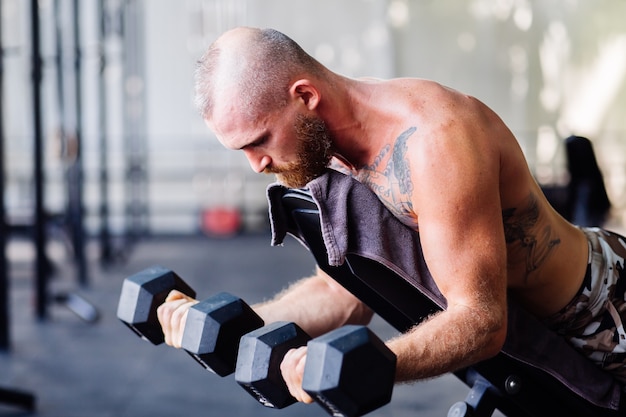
(221, 221)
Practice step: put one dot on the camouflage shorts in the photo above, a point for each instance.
(594, 320)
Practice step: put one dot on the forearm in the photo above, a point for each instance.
(317, 304)
(446, 342)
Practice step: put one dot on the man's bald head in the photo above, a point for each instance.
(253, 66)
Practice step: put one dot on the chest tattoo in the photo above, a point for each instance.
(389, 177)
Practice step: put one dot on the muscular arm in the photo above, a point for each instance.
(318, 304)
(456, 197)
(465, 250)
(448, 180)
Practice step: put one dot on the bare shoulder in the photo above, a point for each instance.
(428, 90)
(434, 106)
(439, 136)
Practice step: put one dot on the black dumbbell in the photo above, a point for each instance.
(213, 328)
(258, 362)
(142, 294)
(348, 371)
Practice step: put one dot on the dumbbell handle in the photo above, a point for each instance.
(348, 351)
(214, 328)
(140, 297)
(367, 367)
(258, 362)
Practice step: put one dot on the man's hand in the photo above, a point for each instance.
(172, 315)
(292, 369)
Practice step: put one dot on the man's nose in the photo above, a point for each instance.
(258, 162)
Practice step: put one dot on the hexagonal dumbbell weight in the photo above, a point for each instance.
(142, 294)
(214, 328)
(349, 371)
(258, 363)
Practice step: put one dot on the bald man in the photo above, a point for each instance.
(445, 165)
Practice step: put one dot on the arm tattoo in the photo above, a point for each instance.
(537, 244)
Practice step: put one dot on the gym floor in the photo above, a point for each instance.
(79, 369)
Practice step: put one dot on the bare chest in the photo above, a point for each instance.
(392, 193)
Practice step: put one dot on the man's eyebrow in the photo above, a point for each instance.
(256, 141)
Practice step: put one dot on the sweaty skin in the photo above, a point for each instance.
(444, 164)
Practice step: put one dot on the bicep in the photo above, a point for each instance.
(461, 230)
(467, 262)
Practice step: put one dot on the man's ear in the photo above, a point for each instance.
(305, 91)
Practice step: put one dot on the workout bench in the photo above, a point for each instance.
(355, 240)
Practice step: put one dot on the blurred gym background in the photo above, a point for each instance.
(101, 147)
(122, 148)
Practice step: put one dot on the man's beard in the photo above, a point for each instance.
(314, 153)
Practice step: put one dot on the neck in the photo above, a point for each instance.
(347, 112)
